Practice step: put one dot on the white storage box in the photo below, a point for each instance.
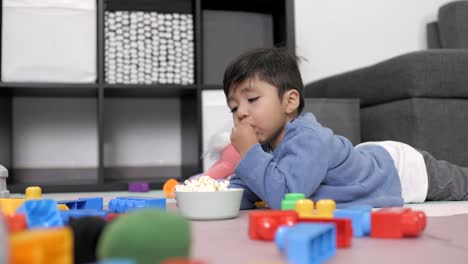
(49, 41)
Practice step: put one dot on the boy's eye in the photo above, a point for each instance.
(234, 109)
(251, 100)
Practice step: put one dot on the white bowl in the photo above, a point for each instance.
(209, 205)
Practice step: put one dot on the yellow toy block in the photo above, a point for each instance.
(42, 246)
(62, 207)
(9, 205)
(323, 208)
(33, 192)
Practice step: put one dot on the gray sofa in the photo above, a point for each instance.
(420, 98)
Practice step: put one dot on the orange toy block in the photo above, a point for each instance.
(169, 188)
(324, 208)
(42, 246)
(9, 205)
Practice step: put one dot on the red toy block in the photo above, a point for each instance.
(16, 223)
(264, 223)
(397, 222)
(344, 229)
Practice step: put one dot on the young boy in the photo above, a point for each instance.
(285, 151)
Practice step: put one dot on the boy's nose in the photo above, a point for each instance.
(241, 113)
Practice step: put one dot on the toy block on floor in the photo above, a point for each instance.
(94, 203)
(397, 222)
(306, 243)
(51, 246)
(290, 199)
(33, 192)
(10, 205)
(41, 213)
(264, 223)
(344, 229)
(66, 215)
(360, 216)
(306, 209)
(15, 223)
(138, 187)
(125, 204)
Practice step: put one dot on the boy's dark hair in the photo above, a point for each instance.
(275, 66)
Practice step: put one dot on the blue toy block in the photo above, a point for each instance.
(307, 243)
(96, 203)
(66, 215)
(41, 213)
(360, 216)
(73, 204)
(125, 204)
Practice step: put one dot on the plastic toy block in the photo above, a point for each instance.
(344, 229)
(3, 186)
(43, 246)
(169, 187)
(125, 204)
(289, 201)
(94, 203)
(62, 207)
(307, 243)
(15, 223)
(10, 205)
(264, 223)
(33, 192)
(73, 204)
(41, 213)
(111, 216)
(397, 222)
(138, 187)
(360, 218)
(305, 208)
(66, 215)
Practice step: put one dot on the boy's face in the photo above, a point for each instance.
(257, 103)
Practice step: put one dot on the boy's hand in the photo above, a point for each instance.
(243, 137)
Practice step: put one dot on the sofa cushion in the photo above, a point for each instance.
(453, 25)
(438, 126)
(430, 73)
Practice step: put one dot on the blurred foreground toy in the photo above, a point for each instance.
(86, 233)
(307, 243)
(53, 245)
(397, 222)
(146, 236)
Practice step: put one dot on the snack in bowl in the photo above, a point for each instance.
(204, 198)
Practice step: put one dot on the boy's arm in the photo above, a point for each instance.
(301, 167)
(248, 197)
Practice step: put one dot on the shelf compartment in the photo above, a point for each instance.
(49, 89)
(83, 187)
(143, 90)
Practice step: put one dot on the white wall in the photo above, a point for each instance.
(336, 36)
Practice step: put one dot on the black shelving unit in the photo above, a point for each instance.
(107, 178)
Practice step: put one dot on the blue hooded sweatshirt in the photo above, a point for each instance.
(312, 160)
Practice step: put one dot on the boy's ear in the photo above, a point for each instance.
(291, 100)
